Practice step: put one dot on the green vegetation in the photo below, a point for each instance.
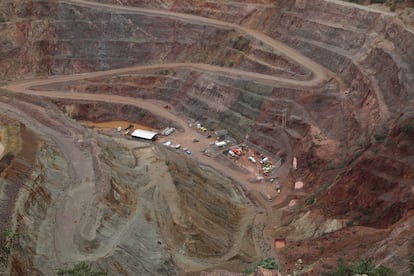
(375, 1)
(360, 267)
(2, 20)
(80, 269)
(7, 243)
(407, 128)
(164, 72)
(268, 263)
(250, 228)
(141, 115)
(411, 266)
(310, 200)
(241, 43)
(380, 137)
(332, 166)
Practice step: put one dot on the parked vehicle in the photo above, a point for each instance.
(232, 154)
(264, 161)
(251, 159)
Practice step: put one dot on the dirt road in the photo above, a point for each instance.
(78, 197)
(320, 73)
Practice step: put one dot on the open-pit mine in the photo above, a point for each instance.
(206, 137)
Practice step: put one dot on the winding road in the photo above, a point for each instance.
(319, 75)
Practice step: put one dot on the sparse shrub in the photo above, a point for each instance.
(380, 137)
(314, 166)
(80, 269)
(411, 266)
(141, 114)
(332, 166)
(407, 128)
(384, 271)
(362, 266)
(268, 263)
(7, 243)
(340, 270)
(310, 200)
(164, 72)
(241, 43)
(250, 228)
(2, 20)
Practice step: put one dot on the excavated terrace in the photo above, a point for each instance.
(342, 72)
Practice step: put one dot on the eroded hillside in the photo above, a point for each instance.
(342, 73)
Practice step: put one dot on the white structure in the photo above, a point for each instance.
(220, 144)
(144, 134)
(168, 131)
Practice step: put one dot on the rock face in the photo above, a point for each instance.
(26, 43)
(201, 214)
(16, 164)
(150, 202)
(150, 211)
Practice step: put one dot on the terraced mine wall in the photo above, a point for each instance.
(27, 38)
(105, 112)
(137, 197)
(94, 39)
(347, 40)
(369, 50)
(64, 38)
(211, 225)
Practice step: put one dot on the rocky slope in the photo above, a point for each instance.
(127, 203)
(352, 136)
(27, 38)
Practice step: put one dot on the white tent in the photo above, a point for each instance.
(144, 134)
